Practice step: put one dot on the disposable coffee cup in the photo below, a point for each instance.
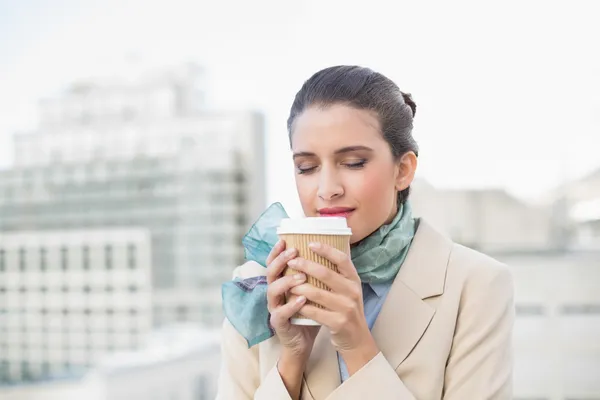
(299, 232)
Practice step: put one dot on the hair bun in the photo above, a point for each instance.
(410, 102)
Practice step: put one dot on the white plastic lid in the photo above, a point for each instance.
(314, 226)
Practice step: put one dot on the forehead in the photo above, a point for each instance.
(335, 126)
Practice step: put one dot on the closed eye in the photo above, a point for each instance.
(356, 165)
(305, 170)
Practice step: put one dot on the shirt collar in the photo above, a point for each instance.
(380, 288)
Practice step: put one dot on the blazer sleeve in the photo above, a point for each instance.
(239, 376)
(481, 362)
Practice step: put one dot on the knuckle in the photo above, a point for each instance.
(338, 257)
(355, 293)
(337, 325)
(320, 272)
(275, 317)
(271, 273)
(317, 295)
(290, 282)
(271, 291)
(351, 307)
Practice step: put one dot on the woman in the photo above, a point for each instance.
(411, 315)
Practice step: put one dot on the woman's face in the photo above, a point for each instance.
(344, 167)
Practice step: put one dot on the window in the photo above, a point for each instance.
(43, 259)
(25, 372)
(2, 260)
(579, 309)
(108, 257)
(182, 313)
(22, 259)
(85, 254)
(201, 388)
(45, 368)
(63, 258)
(131, 259)
(530, 309)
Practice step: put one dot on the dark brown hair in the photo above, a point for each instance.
(364, 89)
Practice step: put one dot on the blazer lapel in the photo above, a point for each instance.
(404, 317)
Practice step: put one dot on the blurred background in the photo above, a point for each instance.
(140, 139)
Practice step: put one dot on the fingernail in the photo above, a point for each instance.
(300, 299)
(290, 252)
(299, 277)
(314, 245)
(293, 262)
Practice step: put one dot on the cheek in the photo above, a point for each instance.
(307, 192)
(373, 191)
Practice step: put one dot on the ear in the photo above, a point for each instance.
(405, 170)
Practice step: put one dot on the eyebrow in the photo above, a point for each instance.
(338, 151)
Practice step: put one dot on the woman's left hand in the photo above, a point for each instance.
(344, 310)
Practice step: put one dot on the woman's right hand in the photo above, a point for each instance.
(297, 340)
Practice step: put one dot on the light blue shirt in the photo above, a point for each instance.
(374, 295)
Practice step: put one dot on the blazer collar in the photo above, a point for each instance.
(404, 317)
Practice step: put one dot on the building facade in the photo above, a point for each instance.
(68, 297)
(485, 219)
(145, 153)
(557, 327)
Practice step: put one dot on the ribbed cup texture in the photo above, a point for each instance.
(301, 241)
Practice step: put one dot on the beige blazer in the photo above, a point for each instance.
(444, 332)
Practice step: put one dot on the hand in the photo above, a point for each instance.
(344, 310)
(297, 341)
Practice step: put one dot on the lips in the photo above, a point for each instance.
(336, 212)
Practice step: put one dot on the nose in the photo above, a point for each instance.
(329, 185)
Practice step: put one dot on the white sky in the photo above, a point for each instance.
(508, 94)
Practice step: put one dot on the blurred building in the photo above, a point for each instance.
(179, 363)
(67, 297)
(144, 152)
(583, 199)
(557, 329)
(484, 219)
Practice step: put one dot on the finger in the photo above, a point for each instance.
(337, 257)
(330, 319)
(276, 290)
(280, 317)
(276, 267)
(329, 277)
(278, 248)
(330, 300)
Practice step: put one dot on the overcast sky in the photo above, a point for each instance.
(508, 95)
